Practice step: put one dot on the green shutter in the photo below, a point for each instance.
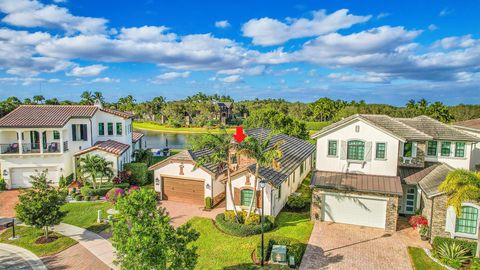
(101, 129)
(432, 148)
(467, 222)
(110, 128)
(119, 128)
(246, 197)
(445, 149)
(460, 149)
(380, 151)
(332, 148)
(56, 135)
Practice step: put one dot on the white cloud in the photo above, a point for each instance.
(445, 12)
(456, 42)
(55, 80)
(432, 27)
(250, 71)
(93, 70)
(382, 15)
(146, 34)
(222, 24)
(20, 80)
(173, 75)
(32, 13)
(105, 80)
(367, 78)
(267, 31)
(231, 79)
(59, 1)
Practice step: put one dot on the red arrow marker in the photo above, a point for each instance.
(239, 136)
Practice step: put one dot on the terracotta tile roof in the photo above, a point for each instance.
(32, 116)
(137, 136)
(357, 182)
(472, 124)
(110, 146)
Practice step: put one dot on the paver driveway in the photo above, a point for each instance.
(182, 212)
(8, 201)
(340, 246)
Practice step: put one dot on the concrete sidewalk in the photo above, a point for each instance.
(13, 257)
(97, 245)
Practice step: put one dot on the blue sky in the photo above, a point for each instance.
(379, 51)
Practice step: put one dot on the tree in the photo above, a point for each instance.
(144, 239)
(462, 186)
(98, 96)
(143, 155)
(265, 153)
(87, 98)
(93, 166)
(277, 121)
(220, 147)
(40, 205)
(38, 99)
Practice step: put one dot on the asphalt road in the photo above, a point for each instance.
(12, 257)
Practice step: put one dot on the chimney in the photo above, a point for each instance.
(98, 103)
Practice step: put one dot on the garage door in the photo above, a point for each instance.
(21, 176)
(183, 190)
(357, 210)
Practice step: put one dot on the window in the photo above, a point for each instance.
(445, 149)
(332, 148)
(79, 132)
(246, 197)
(459, 149)
(407, 149)
(467, 222)
(380, 151)
(355, 150)
(432, 148)
(302, 168)
(280, 192)
(101, 129)
(119, 128)
(56, 135)
(110, 128)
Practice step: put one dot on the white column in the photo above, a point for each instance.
(41, 141)
(20, 142)
(61, 141)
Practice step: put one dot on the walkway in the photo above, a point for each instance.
(9, 199)
(93, 242)
(182, 212)
(69, 259)
(13, 257)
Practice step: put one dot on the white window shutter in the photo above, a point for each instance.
(414, 149)
(343, 150)
(368, 151)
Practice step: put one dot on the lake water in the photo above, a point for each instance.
(159, 140)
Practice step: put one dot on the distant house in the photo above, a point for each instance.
(51, 137)
(370, 168)
(225, 112)
(175, 178)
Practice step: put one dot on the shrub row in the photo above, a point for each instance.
(239, 229)
(105, 188)
(80, 197)
(297, 202)
(295, 248)
(471, 246)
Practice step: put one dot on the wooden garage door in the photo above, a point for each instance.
(183, 190)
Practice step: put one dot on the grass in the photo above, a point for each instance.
(421, 261)
(84, 215)
(159, 127)
(316, 126)
(28, 236)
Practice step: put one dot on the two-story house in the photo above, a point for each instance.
(52, 137)
(369, 168)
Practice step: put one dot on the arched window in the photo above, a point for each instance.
(355, 150)
(246, 197)
(467, 222)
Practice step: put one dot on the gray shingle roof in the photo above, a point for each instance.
(470, 124)
(413, 175)
(432, 180)
(421, 128)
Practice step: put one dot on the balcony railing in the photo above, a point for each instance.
(28, 148)
(33, 148)
(11, 148)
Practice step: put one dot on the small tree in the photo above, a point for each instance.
(94, 167)
(40, 205)
(144, 239)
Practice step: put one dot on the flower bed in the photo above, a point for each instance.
(241, 229)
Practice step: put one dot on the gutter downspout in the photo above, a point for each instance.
(431, 219)
(271, 201)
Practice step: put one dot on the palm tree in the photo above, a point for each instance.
(264, 154)
(86, 98)
(220, 147)
(93, 166)
(143, 155)
(38, 99)
(462, 186)
(105, 170)
(98, 96)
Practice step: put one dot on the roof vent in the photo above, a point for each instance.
(98, 103)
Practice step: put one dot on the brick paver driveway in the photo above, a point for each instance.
(8, 201)
(182, 212)
(340, 246)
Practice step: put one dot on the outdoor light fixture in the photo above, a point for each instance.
(208, 186)
(5, 172)
(157, 181)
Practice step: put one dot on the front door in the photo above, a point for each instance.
(408, 200)
(34, 140)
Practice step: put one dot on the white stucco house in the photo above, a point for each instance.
(176, 179)
(370, 168)
(51, 137)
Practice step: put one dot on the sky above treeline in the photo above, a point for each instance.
(378, 51)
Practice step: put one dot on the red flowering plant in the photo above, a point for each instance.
(417, 221)
(133, 188)
(117, 180)
(114, 194)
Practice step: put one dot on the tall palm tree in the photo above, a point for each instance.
(98, 96)
(105, 170)
(265, 154)
(86, 98)
(220, 147)
(93, 166)
(38, 99)
(462, 186)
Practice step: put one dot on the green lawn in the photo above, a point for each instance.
(28, 235)
(84, 215)
(218, 250)
(158, 127)
(421, 261)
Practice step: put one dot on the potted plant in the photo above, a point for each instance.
(424, 230)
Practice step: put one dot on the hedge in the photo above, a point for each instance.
(295, 248)
(139, 172)
(471, 246)
(239, 229)
(100, 192)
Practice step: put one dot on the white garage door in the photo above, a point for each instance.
(357, 210)
(21, 176)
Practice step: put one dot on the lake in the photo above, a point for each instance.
(159, 139)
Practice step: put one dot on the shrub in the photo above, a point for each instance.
(95, 198)
(208, 203)
(475, 264)
(471, 246)
(78, 197)
(116, 180)
(417, 220)
(138, 172)
(114, 194)
(86, 191)
(296, 202)
(253, 219)
(295, 248)
(239, 229)
(424, 230)
(229, 216)
(133, 188)
(86, 198)
(452, 254)
(3, 184)
(62, 182)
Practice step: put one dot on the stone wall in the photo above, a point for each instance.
(392, 206)
(419, 160)
(436, 220)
